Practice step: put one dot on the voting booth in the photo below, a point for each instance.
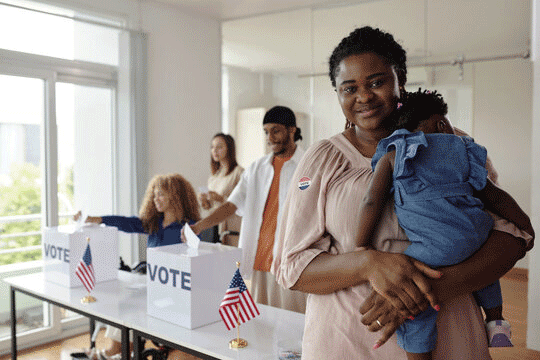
(64, 246)
(185, 285)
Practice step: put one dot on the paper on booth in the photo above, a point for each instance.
(192, 239)
(81, 221)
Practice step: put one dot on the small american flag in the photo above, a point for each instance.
(85, 270)
(237, 301)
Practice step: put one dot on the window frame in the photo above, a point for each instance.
(52, 71)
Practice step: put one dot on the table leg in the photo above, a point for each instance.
(13, 325)
(92, 329)
(125, 343)
(137, 345)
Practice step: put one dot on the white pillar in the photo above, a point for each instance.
(533, 317)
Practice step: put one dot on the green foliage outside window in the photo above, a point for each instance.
(22, 196)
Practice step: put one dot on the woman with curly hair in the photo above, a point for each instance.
(169, 203)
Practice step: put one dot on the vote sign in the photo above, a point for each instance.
(63, 248)
(185, 286)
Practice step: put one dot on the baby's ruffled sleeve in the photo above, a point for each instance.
(406, 145)
(477, 163)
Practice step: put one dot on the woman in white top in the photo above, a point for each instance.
(225, 175)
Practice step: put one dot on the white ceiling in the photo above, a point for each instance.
(298, 36)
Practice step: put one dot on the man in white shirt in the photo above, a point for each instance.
(258, 198)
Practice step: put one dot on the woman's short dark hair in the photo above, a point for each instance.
(419, 106)
(368, 39)
(231, 154)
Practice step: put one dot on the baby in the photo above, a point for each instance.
(440, 188)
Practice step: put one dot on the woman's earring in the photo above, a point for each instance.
(399, 105)
(402, 91)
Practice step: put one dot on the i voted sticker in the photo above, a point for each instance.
(304, 183)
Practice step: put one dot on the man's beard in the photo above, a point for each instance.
(282, 151)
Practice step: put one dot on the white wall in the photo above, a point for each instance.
(245, 89)
(184, 90)
(533, 298)
(503, 124)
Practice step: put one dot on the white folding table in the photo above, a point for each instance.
(122, 303)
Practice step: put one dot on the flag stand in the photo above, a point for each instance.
(238, 343)
(88, 299)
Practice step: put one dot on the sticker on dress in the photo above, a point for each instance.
(304, 183)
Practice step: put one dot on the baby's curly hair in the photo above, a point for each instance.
(368, 39)
(182, 198)
(419, 106)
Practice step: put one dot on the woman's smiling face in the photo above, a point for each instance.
(368, 90)
(162, 200)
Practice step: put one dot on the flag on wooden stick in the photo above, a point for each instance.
(85, 270)
(237, 306)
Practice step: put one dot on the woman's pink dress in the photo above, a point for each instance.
(322, 215)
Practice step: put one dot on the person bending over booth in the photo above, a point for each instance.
(169, 203)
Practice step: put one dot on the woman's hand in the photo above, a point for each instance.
(89, 219)
(402, 281)
(93, 219)
(380, 315)
(205, 202)
(214, 196)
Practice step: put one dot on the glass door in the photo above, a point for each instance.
(57, 156)
(58, 145)
(22, 120)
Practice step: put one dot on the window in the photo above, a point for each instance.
(58, 37)
(62, 131)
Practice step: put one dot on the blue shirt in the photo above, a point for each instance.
(434, 179)
(169, 235)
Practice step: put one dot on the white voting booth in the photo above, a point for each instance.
(185, 285)
(64, 246)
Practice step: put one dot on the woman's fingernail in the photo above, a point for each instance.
(376, 346)
(437, 307)
(411, 317)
